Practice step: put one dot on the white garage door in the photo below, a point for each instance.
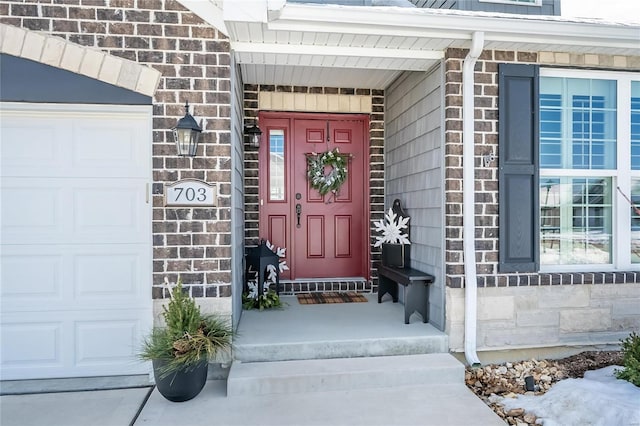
(76, 239)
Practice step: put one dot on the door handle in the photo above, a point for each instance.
(298, 213)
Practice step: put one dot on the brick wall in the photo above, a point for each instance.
(486, 178)
(194, 61)
(376, 159)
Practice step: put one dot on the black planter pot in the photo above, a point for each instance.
(181, 385)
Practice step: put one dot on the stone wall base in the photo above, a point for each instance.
(520, 318)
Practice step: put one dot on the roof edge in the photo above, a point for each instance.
(454, 24)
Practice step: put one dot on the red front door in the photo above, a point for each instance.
(325, 236)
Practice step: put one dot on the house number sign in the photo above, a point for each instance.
(190, 192)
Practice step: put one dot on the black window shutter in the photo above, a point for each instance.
(518, 174)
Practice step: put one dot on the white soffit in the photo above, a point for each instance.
(310, 44)
(317, 76)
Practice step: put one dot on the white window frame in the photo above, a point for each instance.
(622, 175)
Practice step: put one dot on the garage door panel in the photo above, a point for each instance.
(103, 342)
(105, 148)
(103, 275)
(26, 145)
(42, 348)
(31, 277)
(103, 209)
(92, 277)
(68, 211)
(65, 145)
(26, 208)
(109, 277)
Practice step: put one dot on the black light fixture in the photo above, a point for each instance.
(254, 134)
(187, 133)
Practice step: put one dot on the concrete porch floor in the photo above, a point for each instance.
(294, 332)
(304, 396)
(341, 330)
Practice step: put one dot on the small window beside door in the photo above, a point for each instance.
(276, 165)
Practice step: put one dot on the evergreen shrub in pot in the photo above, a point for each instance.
(181, 350)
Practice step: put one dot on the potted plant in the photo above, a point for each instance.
(180, 351)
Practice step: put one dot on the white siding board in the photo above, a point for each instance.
(308, 38)
(321, 39)
(384, 41)
(314, 71)
(347, 40)
(360, 40)
(295, 37)
(255, 32)
(269, 37)
(334, 39)
(282, 37)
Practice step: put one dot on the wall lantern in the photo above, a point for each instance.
(186, 133)
(254, 134)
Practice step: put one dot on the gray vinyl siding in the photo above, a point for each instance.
(414, 169)
(436, 4)
(237, 190)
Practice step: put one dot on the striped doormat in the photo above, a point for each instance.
(320, 298)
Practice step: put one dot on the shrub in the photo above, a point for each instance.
(188, 336)
(630, 359)
(267, 300)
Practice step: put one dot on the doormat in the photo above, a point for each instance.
(320, 298)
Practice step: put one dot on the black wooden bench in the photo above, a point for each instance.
(416, 286)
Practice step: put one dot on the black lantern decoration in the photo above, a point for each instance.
(187, 133)
(258, 258)
(254, 134)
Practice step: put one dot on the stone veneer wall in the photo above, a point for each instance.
(486, 183)
(194, 59)
(376, 162)
(546, 316)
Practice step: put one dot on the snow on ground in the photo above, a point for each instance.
(599, 400)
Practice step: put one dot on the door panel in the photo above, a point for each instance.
(278, 229)
(328, 237)
(342, 235)
(315, 245)
(276, 218)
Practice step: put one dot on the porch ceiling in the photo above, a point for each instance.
(353, 46)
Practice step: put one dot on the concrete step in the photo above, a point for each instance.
(322, 375)
(431, 342)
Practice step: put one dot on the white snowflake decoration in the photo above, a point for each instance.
(391, 228)
(253, 289)
(271, 270)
